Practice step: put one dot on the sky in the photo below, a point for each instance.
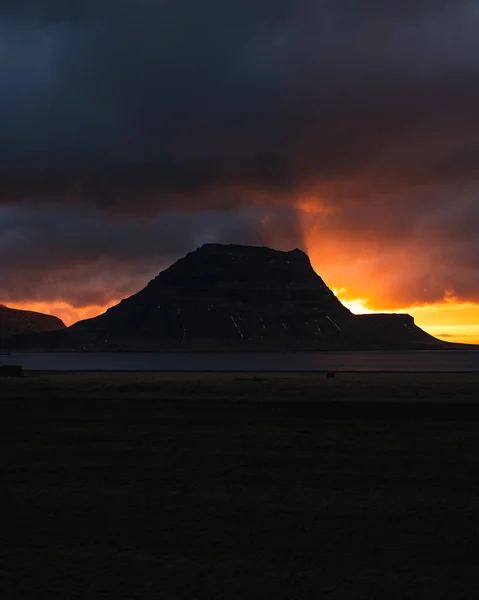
(133, 131)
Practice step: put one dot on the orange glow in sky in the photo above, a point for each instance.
(358, 273)
(67, 313)
(359, 278)
(449, 321)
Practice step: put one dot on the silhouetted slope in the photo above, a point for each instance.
(226, 296)
(397, 329)
(13, 321)
(238, 298)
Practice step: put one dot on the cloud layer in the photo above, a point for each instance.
(85, 258)
(130, 132)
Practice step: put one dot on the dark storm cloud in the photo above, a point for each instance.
(111, 101)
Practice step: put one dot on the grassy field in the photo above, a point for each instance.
(240, 486)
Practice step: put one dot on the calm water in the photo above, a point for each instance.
(280, 361)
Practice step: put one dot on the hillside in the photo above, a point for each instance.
(13, 321)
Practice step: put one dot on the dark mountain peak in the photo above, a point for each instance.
(242, 268)
(214, 251)
(244, 250)
(260, 253)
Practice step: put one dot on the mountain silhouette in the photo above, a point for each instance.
(232, 297)
(14, 321)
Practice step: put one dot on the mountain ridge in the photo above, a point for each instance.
(14, 321)
(236, 297)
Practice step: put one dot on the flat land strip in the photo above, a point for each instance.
(156, 485)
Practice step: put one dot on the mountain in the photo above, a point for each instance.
(13, 321)
(230, 297)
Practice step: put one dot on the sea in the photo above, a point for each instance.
(362, 361)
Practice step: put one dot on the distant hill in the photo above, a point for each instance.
(13, 321)
(230, 297)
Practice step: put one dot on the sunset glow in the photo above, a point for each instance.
(362, 275)
(66, 312)
(369, 274)
(450, 321)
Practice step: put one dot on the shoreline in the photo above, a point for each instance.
(447, 347)
(323, 372)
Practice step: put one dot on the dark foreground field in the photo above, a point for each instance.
(240, 486)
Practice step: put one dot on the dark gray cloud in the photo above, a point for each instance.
(112, 101)
(84, 258)
(130, 130)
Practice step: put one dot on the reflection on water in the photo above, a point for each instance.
(266, 361)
